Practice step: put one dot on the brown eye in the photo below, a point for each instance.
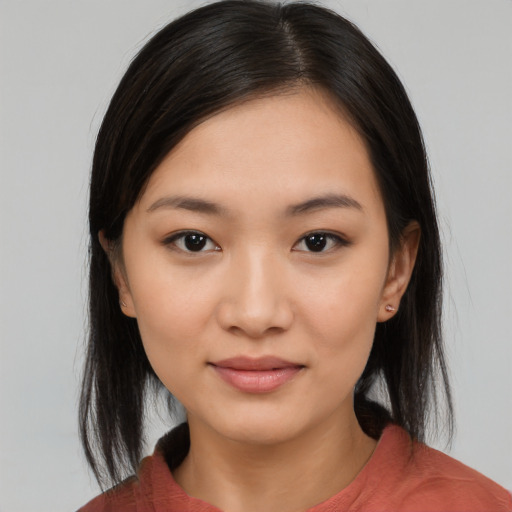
(320, 242)
(316, 242)
(191, 241)
(194, 242)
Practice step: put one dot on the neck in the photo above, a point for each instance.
(289, 476)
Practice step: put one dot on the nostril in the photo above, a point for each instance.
(255, 311)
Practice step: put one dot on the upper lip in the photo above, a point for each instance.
(259, 363)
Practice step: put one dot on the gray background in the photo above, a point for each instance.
(60, 61)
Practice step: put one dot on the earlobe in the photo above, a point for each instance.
(118, 276)
(399, 272)
(126, 307)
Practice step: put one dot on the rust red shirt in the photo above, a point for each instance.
(401, 476)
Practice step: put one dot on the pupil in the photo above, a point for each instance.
(316, 242)
(195, 242)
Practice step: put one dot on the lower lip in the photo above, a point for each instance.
(257, 381)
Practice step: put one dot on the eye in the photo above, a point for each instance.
(319, 242)
(192, 241)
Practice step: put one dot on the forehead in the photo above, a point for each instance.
(287, 146)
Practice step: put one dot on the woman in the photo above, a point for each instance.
(264, 246)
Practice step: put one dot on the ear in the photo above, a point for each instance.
(399, 272)
(118, 275)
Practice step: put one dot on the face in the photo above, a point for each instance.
(257, 265)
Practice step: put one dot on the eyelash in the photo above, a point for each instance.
(171, 241)
(336, 240)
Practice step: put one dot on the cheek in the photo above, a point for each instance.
(347, 297)
(172, 312)
(167, 299)
(342, 314)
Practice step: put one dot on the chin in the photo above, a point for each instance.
(260, 426)
(264, 433)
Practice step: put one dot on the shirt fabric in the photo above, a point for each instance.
(400, 476)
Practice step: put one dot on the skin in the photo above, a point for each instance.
(257, 289)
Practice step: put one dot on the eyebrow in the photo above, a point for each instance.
(208, 207)
(189, 203)
(324, 202)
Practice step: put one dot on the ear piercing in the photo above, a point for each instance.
(389, 308)
(123, 304)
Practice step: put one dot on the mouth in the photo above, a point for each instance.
(260, 375)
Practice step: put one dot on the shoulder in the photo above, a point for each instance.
(432, 480)
(119, 498)
(137, 493)
(153, 488)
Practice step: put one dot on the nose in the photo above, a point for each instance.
(255, 303)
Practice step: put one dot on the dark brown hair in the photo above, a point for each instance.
(198, 65)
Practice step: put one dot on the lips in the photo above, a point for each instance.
(260, 375)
